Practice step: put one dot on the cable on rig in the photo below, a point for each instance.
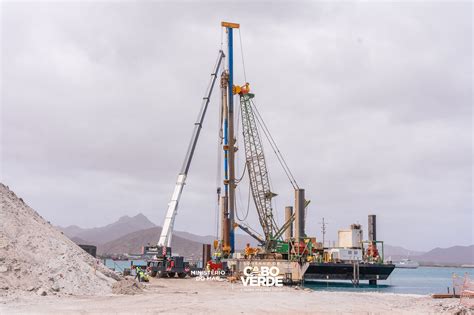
(274, 146)
(264, 127)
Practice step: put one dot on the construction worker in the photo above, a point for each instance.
(138, 274)
(142, 276)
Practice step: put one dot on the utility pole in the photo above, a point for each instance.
(323, 229)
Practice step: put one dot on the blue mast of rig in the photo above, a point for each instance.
(229, 139)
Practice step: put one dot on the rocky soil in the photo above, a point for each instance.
(37, 259)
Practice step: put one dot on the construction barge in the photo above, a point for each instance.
(351, 261)
(285, 249)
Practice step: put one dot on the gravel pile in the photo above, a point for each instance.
(35, 258)
(127, 286)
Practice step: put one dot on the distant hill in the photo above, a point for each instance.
(132, 243)
(397, 252)
(126, 225)
(183, 243)
(102, 235)
(455, 255)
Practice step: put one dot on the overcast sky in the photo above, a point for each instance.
(371, 104)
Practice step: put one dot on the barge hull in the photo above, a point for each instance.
(342, 271)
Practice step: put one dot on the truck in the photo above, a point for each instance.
(162, 264)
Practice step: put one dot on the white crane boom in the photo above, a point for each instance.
(167, 231)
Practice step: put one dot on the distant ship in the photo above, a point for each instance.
(407, 263)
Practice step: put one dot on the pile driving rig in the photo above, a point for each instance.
(285, 246)
(276, 244)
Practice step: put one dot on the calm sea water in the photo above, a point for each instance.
(423, 280)
(120, 265)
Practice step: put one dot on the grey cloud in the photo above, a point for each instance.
(371, 104)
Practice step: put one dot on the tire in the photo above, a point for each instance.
(182, 275)
(161, 274)
(171, 274)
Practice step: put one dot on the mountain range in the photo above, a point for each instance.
(132, 243)
(454, 255)
(129, 234)
(110, 232)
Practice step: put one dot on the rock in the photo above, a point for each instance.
(4, 287)
(3, 268)
(55, 287)
(127, 287)
(30, 288)
(42, 292)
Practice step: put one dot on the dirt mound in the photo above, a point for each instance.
(37, 258)
(127, 286)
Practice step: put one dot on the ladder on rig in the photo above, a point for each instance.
(257, 168)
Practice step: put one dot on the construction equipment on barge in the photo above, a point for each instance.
(285, 245)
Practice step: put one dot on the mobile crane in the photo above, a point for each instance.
(161, 262)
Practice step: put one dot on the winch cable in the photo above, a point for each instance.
(218, 178)
(243, 174)
(248, 206)
(242, 54)
(275, 206)
(275, 148)
(237, 181)
(237, 133)
(220, 137)
(222, 39)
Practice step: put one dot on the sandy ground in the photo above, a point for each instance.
(191, 296)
